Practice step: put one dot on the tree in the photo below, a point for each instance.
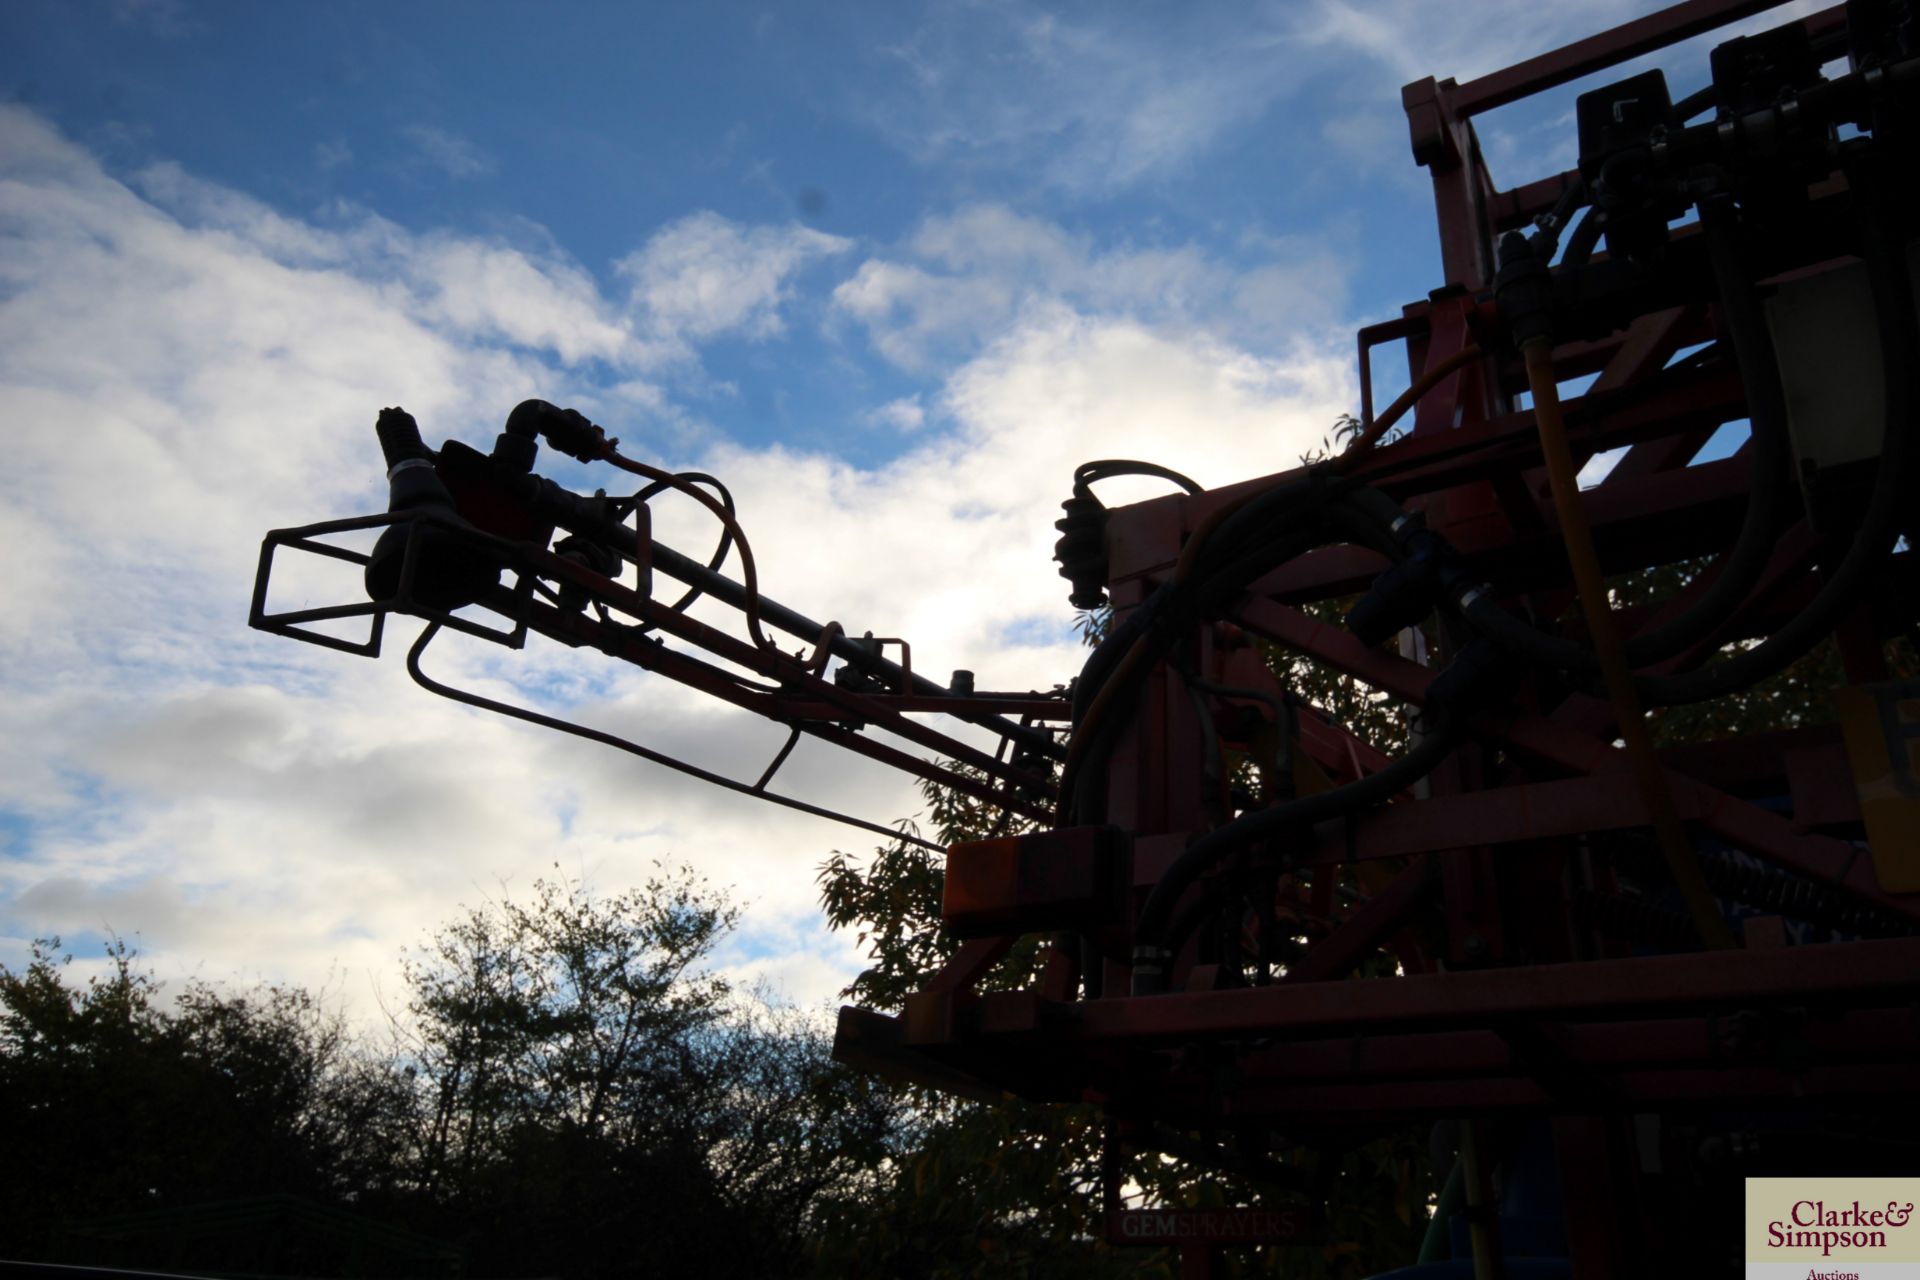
(593, 1102)
(965, 1188)
(113, 1102)
(570, 1092)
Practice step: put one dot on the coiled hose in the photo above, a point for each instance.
(1873, 539)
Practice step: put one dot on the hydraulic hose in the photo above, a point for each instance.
(1873, 539)
(719, 556)
(749, 574)
(1880, 526)
(1647, 771)
(1740, 568)
(1151, 629)
(1265, 530)
(1585, 238)
(1095, 733)
(1110, 468)
(582, 515)
(1429, 379)
(1743, 563)
(1151, 931)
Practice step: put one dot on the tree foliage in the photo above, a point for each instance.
(112, 1100)
(570, 1091)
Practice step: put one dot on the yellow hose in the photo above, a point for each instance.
(1480, 1207)
(1682, 864)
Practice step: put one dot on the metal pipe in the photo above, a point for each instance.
(571, 511)
(1590, 584)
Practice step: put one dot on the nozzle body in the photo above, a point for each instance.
(448, 573)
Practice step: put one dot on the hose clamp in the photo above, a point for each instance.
(1148, 958)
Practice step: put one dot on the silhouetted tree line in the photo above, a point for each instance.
(568, 1092)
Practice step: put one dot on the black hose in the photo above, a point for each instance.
(1880, 526)
(1694, 103)
(1088, 792)
(1268, 529)
(567, 430)
(1740, 568)
(1572, 197)
(1206, 852)
(1286, 721)
(1743, 564)
(1172, 597)
(1266, 532)
(1108, 468)
(1585, 237)
(719, 556)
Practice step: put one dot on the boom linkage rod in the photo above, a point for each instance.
(572, 512)
(795, 680)
(758, 790)
(579, 630)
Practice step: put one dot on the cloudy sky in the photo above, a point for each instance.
(890, 270)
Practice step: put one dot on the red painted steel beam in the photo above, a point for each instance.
(1835, 974)
(1865, 1086)
(1856, 1035)
(1382, 915)
(1611, 48)
(1665, 401)
(1048, 709)
(1503, 815)
(1143, 538)
(1863, 1052)
(1747, 826)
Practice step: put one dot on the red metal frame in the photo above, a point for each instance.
(1543, 1010)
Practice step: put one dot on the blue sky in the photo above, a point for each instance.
(891, 270)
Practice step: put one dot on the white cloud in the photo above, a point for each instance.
(164, 18)
(1087, 105)
(332, 153)
(190, 369)
(492, 291)
(453, 155)
(974, 273)
(906, 414)
(1406, 38)
(951, 543)
(706, 275)
(1107, 99)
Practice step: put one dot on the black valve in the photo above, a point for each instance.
(448, 572)
(1523, 287)
(1401, 597)
(567, 430)
(583, 551)
(1622, 127)
(1082, 548)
